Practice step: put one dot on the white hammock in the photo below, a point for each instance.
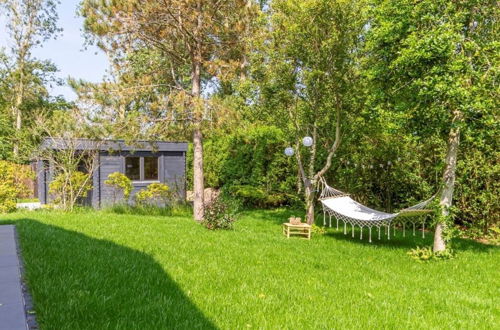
(339, 205)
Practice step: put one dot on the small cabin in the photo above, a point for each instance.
(143, 162)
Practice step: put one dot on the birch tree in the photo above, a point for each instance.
(308, 78)
(437, 61)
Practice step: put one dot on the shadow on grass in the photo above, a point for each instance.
(408, 241)
(397, 241)
(277, 216)
(83, 282)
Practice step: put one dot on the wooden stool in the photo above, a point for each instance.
(303, 230)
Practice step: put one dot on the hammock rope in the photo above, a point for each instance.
(343, 208)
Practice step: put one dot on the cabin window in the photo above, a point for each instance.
(150, 168)
(133, 168)
(141, 168)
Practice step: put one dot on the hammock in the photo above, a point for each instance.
(341, 206)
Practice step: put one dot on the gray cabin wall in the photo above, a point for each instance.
(96, 185)
(174, 172)
(171, 170)
(41, 182)
(49, 176)
(108, 164)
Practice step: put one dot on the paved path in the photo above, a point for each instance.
(12, 314)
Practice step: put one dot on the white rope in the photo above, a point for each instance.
(341, 206)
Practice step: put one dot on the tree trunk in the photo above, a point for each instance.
(16, 111)
(198, 184)
(448, 185)
(309, 196)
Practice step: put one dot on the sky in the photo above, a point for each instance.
(67, 51)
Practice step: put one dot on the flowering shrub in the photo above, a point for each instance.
(119, 182)
(154, 193)
(219, 215)
(67, 187)
(9, 190)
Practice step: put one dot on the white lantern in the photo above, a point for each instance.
(289, 151)
(307, 141)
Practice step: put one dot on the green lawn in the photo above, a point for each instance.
(100, 270)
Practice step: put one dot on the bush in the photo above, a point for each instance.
(120, 183)
(155, 193)
(254, 196)
(68, 187)
(220, 214)
(9, 188)
(250, 163)
(318, 229)
(426, 254)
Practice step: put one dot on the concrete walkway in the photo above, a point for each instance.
(12, 312)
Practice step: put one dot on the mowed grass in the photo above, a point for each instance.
(98, 270)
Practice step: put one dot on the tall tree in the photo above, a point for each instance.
(437, 62)
(198, 37)
(307, 78)
(29, 24)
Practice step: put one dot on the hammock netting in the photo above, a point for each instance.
(343, 208)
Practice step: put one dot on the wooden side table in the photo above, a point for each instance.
(303, 230)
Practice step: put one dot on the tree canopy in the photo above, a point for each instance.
(399, 96)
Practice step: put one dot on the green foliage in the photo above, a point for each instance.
(426, 62)
(13, 184)
(9, 189)
(315, 229)
(395, 71)
(220, 214)
(478, 185)
(68, 187)
(120, 182)
(24, 80)
(254, 196)
(250, 163)
(494, 234)
(426, 254)
(6, 132)
(155, 193)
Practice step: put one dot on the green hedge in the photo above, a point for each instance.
(250, 165)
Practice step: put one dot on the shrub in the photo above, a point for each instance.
(251, 163)
(9, 189)
(426, 254)
(24, 177)
(220, 214)
(67, 187)
(254, 196)
(155, 193)
(318, 230)
(120, 183)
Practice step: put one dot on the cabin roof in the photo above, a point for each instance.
(112, 145)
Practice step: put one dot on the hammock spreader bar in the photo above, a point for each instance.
(341, 206)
